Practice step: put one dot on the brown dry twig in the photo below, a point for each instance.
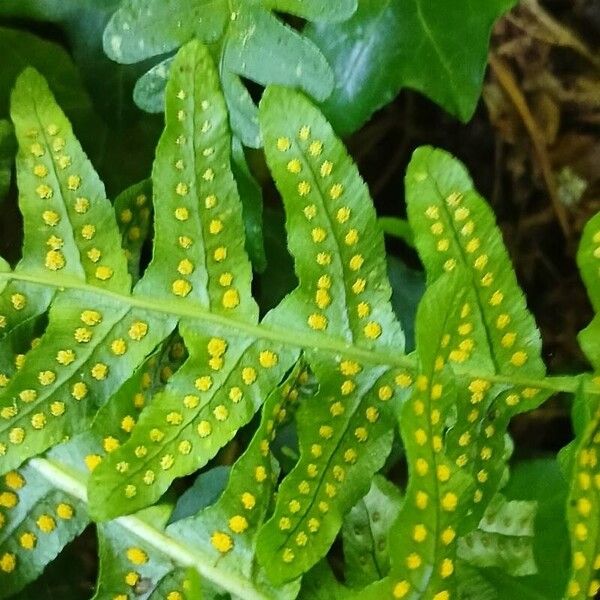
(508, 83)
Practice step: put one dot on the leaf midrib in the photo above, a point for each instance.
(299, 339)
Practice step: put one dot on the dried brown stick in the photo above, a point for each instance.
(509, 84)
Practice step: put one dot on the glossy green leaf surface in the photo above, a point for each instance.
(435, 47)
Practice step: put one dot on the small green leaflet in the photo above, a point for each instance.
(423, 540)
(456, 233)
(227, 530)
(588, 260)
(365, 533)
(583, 508)
(436, 47)
(247, 40)
(504, 538)
(36, 521)
(133, 208)
(345, 430)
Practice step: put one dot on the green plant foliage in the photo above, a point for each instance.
(227, 530)
(345, 430)
(129, 563)
(37, 521)
(583, 507)
(131, 376)
(398, 228)
(22, 49)
(365, 534)
(423, 540)
(252, 203)
(455, 231)
(247, 40)
(133, 208)
(385, 45)
(503, 539)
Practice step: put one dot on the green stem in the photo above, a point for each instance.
(303, 339)
(68, 481)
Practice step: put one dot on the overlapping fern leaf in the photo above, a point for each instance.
(583, 508)
(100, 331)
(129, 378)
(246, 39)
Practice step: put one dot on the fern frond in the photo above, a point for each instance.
(227, 375)
(245, 38)
(146, 406)
(583, 504)
(455, 232)
(345, 432)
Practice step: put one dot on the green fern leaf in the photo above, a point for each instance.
(345, 431)
(588, 260)
(226, 376)
(71, 240)
(248, 41)
(227, 530)
(133, 208)
(223, 533)
(109, 369)
(455, 232)
(583, 506)
(365, 534)
(37, 520)
(423, 540)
